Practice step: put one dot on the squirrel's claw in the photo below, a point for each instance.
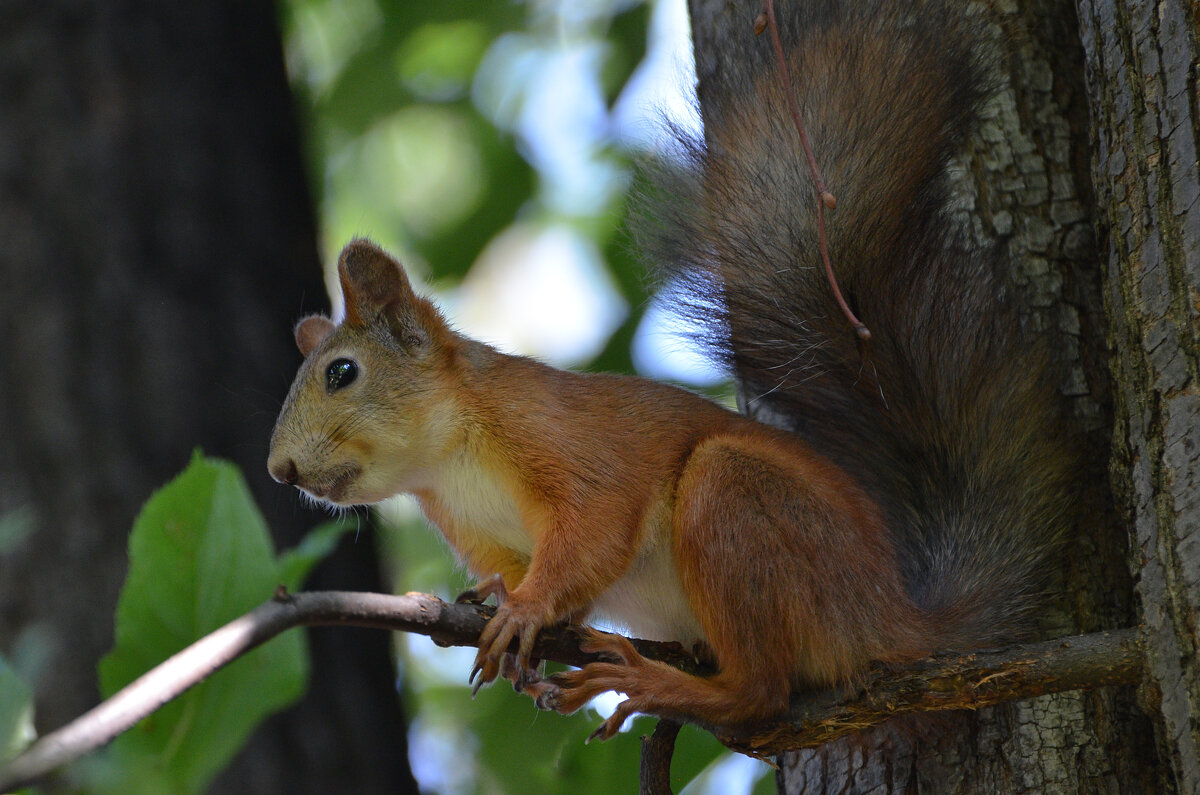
(543, 692)
(525, 677)
(479, 684)
(566, 692)
(610, 727)
(512, 621)
(478, 593)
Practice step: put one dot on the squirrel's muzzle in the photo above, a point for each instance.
(284, 471)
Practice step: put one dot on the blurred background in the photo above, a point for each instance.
(490, 147)
(175, 180)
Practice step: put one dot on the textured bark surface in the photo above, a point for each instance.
(155, 234)
(1024, 181)
(1143, 80)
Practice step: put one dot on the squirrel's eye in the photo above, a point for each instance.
(340, 373)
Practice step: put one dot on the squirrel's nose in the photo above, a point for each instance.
(284, 472)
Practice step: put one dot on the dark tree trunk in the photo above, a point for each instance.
(1144, 87)
(155, 232)
(1025, 181)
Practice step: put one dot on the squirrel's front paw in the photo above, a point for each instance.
(513, 621)
(480, 591)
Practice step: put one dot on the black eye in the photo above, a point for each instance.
(340, 373)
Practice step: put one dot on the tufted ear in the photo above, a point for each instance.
(372, 282)
(311, 332)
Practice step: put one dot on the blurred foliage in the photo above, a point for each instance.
(426, 126)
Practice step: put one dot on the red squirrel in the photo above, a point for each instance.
(908, 505)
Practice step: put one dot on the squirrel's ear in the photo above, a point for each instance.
(311, 331)
(372, 282)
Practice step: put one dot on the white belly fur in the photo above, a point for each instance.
(648, 600)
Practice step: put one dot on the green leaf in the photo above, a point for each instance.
(199, 556)
(16, 713)
(295, 564)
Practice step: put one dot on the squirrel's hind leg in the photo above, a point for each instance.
(726, 698)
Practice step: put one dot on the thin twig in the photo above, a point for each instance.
(654, 776)
(825, 199)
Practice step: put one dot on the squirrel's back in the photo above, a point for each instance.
(946, 417)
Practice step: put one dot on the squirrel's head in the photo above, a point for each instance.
(372, 408)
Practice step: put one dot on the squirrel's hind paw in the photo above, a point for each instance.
(568, 691)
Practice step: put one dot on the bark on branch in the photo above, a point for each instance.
(654, 775)
(940, 682)
(948, 682)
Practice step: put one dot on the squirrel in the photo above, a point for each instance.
(909, 504)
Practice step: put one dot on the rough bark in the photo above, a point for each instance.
(1024, 181)
(1145, 113)
(155, 231)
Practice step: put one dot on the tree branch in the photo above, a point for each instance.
(947, 682)
(447, 624)
(654, 776)
(938, 683)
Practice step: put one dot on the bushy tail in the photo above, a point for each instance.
(947, 418)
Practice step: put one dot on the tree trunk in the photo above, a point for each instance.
(1024, 181)
(155, 232)
(1145, 101)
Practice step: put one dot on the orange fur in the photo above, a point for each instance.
(672, 513)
